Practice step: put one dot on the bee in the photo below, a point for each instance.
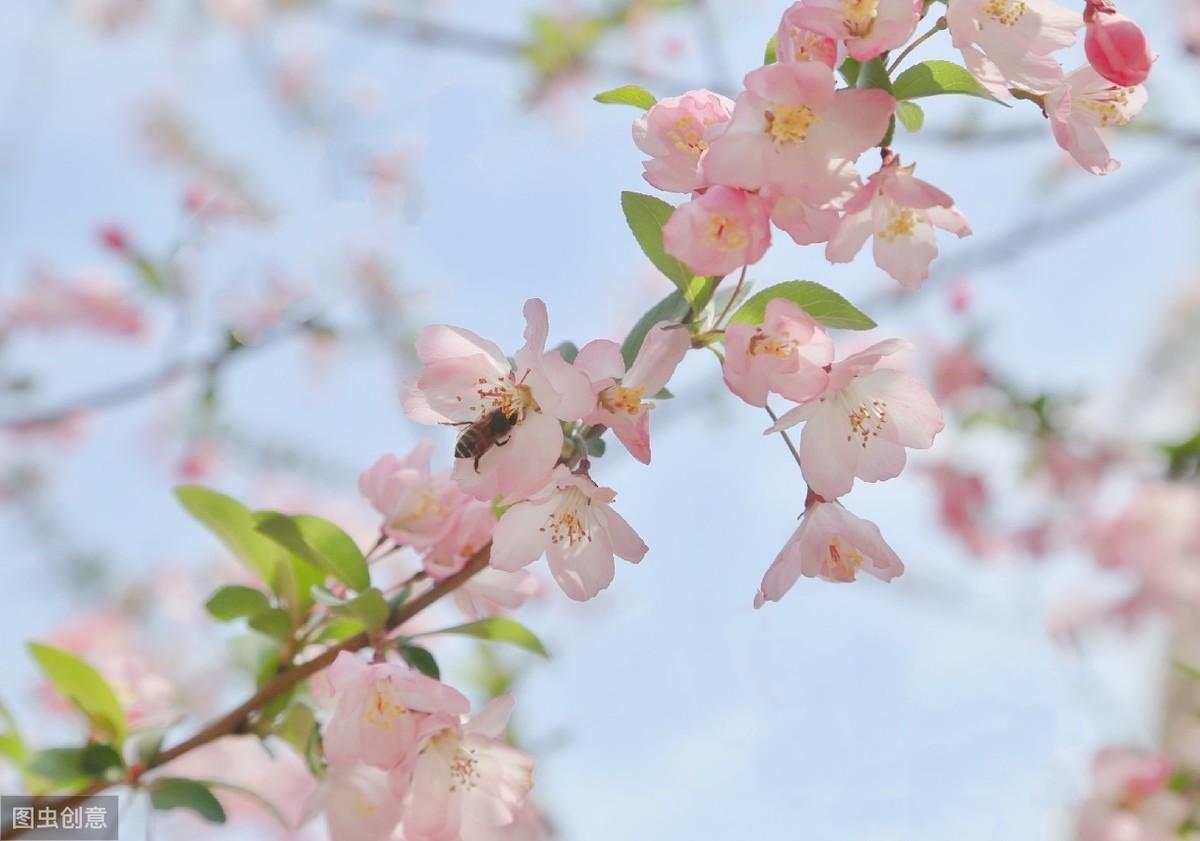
(479, 436)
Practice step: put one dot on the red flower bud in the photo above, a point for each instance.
(1116, 46)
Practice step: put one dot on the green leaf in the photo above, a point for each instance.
(341, 629)
(873, 74)
(646, 216)
(319, 542)
(910, 115)
(12, 746)
(234, 525)
(68, 764)
(596, 446)
(236, 602)
(890, 134)
(150, 274)
(369, 607)
(296, 726)
(822, 303)
(850, 69)
(84, 686)
(568, 351)
(634, 95)
(499, 629)
(421, 660)
(177, 793)
(769, 56)
(147, 745)
(936, 77)
(673, 308)
(699, 292)
(273, 622)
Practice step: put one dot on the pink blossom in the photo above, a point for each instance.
(620, 393)
(867, 27)
(963, 502)
(418, 508)
(1116, 46)
(382, 712)
(114, 238)
(465, 378)
(805, 223)
(900, 212)
(467, 781)
(719, 231)
(862, 422)
(795, 42)
(830, 543)
(792, 130)
(1131, 799)
(488, 592)
(92, 301)
(785, 355)
(1085, 103)
(675, 133)
(572, 524)
(358, 804)
(1011, 42)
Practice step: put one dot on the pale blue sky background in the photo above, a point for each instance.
(933, 709)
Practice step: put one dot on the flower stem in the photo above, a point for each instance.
(938, 26)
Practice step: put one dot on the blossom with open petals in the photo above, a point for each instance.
(793, 130)
(620, 394)
(358, 804)
(675, 133)
(832, 544)
(719, 231)
(868, 28)
(418, 507)
(900, 212)
(862, 423)
(467, 781)
(1011, 43)
(795, 42)
(786, 355)
(1084, 104)
(465, 378)
(572, 523)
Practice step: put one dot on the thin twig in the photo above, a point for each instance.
(732, 298)
(786, 439)
(937, 27)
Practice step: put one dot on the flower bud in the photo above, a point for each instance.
(114, 238)
(1116, 46)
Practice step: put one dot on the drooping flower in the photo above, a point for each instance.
(785, 355)
(900, 212)
(1116, 47)
(719, 231)
(862, 422)
(868, 28)
(832, 544)
(792, 130)
(675, 134)
(795, 42)
(466, 379)
(418, 508)
(620, 394)
(1084, 104)
(358, 804)
(467, 781)
(1131, 799)
(382, 712)
(1009, 43)
(572, 524)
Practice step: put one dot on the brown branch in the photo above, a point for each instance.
(235, 720)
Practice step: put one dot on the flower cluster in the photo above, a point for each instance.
(1133, 798)
(402, 751)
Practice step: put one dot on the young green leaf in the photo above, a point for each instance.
(769, 55)
(84, 686)
(910, 115)
(646, 216)
(822, 303)
(177, 793)
(12, 746)
(369, 607)
(671, 308)
(850, 68)
(273, 622)
(873, 74)
(421, 660)
(233, 524)
(634, 95)
(935, 78)
(236, 602)
(499, 629)
(319, 542)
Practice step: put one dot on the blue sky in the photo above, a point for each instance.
(934, 708)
